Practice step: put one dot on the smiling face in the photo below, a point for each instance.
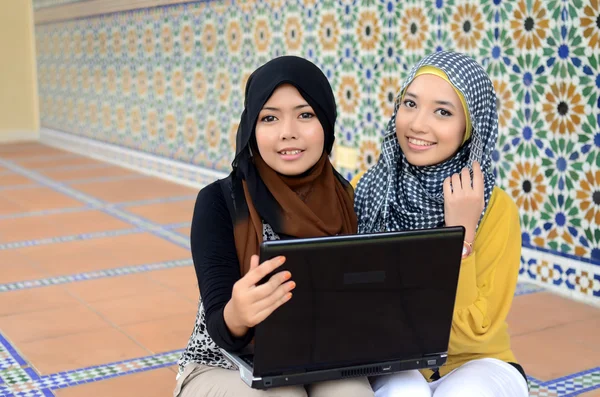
(289, 136)
(431, 122)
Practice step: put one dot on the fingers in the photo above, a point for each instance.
(456, 184)
(478, 185)
(464, 182)
(260, 316)
(448, 187)
(268, 288)
(275, 296)
(260, 271)
(253, 262)
(465, 177)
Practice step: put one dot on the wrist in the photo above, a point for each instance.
(231, 321)
(470, 234)
(467, 249)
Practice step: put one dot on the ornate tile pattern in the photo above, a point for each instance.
(168, 82)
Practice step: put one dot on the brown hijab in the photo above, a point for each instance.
(319, 202)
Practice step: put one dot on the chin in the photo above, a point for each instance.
(292, 171)
(420, 161)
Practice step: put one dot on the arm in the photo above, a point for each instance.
(488, 277)
(216, 263)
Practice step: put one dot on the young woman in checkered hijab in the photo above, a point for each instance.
(436, 169)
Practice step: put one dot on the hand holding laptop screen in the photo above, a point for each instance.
(250, 303)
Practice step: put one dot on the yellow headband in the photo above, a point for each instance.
(440, 73)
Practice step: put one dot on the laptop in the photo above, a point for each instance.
(364, 305)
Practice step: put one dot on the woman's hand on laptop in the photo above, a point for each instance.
(250, 303)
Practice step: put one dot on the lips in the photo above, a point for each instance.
(290, 152)
(419, 142)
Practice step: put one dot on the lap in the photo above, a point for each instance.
(478, 378)
(204, 381)
(352, 387)
(487, 377)
(401, 384)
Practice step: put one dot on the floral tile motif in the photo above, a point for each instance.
(169, 81)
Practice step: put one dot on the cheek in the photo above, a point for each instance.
(315, 135)
(263, 140)
(452, 134)
(401, 122)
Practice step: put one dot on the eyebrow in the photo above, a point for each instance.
(446, 103)
(306, 105)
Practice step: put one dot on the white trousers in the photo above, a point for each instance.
(486, 377)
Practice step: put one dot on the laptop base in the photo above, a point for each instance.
(243, 362)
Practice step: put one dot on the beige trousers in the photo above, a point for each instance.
(202, 381)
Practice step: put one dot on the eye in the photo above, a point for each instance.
(307, 115)
(409, 104)
(268, 119)
(443, 112)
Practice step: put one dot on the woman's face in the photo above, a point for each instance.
(431, 122)
(289, 136)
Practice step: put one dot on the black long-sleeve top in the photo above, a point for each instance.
(216, 263)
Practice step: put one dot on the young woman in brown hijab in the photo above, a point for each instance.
(282, 186)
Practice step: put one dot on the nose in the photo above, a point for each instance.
(289, 129)
(418, 123)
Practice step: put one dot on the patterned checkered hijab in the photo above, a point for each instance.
(395, 195)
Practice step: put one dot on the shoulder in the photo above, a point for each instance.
(210, 202)
(501, 203)
(210, 194)
(357, 177)
(502, 213)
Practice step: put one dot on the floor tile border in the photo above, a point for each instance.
(121, 205)
(96, 203)
(85, 236)
(94, 275)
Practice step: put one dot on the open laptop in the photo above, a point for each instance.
(364, 305)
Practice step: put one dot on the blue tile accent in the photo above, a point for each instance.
(120, 271)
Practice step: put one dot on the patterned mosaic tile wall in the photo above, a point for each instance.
(169, 81)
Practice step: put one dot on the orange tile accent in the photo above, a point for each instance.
(164, 213)
(103, 253)
(51, 323)
(167, 334)
(13, 151)
(542, 310)
(114, 288)
(93, 347)
(132, 190)
(38, 164)
(7, 207)
(83, 173)
(560, 350)
(35, 300)
(184, 231)
(37, 199)
(55, 225)
(181, 280)
(144, 307)
(14, 179)
(17, 267)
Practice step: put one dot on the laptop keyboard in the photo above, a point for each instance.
(248, 359)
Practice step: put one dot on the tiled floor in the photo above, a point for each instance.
(98, 292)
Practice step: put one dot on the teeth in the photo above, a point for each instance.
(419, 142)
(291, 152)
